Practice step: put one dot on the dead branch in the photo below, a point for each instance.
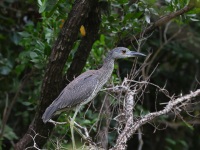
(129, 123)
(130, 129)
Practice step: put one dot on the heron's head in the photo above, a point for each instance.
(122, 52)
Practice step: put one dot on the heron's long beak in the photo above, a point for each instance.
(132, 53)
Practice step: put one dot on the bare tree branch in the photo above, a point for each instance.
(128, 131)
(129, 108)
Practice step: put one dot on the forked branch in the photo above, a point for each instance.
(130, 130)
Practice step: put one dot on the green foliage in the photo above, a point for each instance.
(26, 46)
(176, 144)
(38, 40)
(9, 133)
(5, 66)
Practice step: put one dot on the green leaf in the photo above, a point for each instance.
(33, 55)
(42, 6)
(102, 39)
(35, 60)
(184, 143)
(86, 121)
(50, 5)
(5, 70)
(153, 11)
(9, 134)
(40, 2)
(170, 141)
(24, 34)
(189, 126)
(147, 18)
(122, 1)
(26, 103)
(147, 15)
(48, 34)
(15, 38)
(194, 19)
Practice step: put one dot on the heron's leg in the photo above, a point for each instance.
(55, 122)
(72, 126)
(84, 135)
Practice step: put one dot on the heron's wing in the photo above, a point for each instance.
(77, 91)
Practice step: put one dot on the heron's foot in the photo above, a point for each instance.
(83, 132)
(57, 123)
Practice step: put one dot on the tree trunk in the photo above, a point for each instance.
(52, 82)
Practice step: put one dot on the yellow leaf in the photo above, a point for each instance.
(62, 22)
(82, 30)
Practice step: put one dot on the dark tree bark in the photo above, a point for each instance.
(91, 25)
(52, 82)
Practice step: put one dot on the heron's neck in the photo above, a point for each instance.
(108, 65)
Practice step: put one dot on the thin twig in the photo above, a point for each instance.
(172, 105)
(163, 20)
(7, 109)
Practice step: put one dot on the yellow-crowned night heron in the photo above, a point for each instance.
(86, 86)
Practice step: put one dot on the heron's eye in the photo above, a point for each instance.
(123, 51)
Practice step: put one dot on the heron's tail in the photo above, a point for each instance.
(49, 112)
